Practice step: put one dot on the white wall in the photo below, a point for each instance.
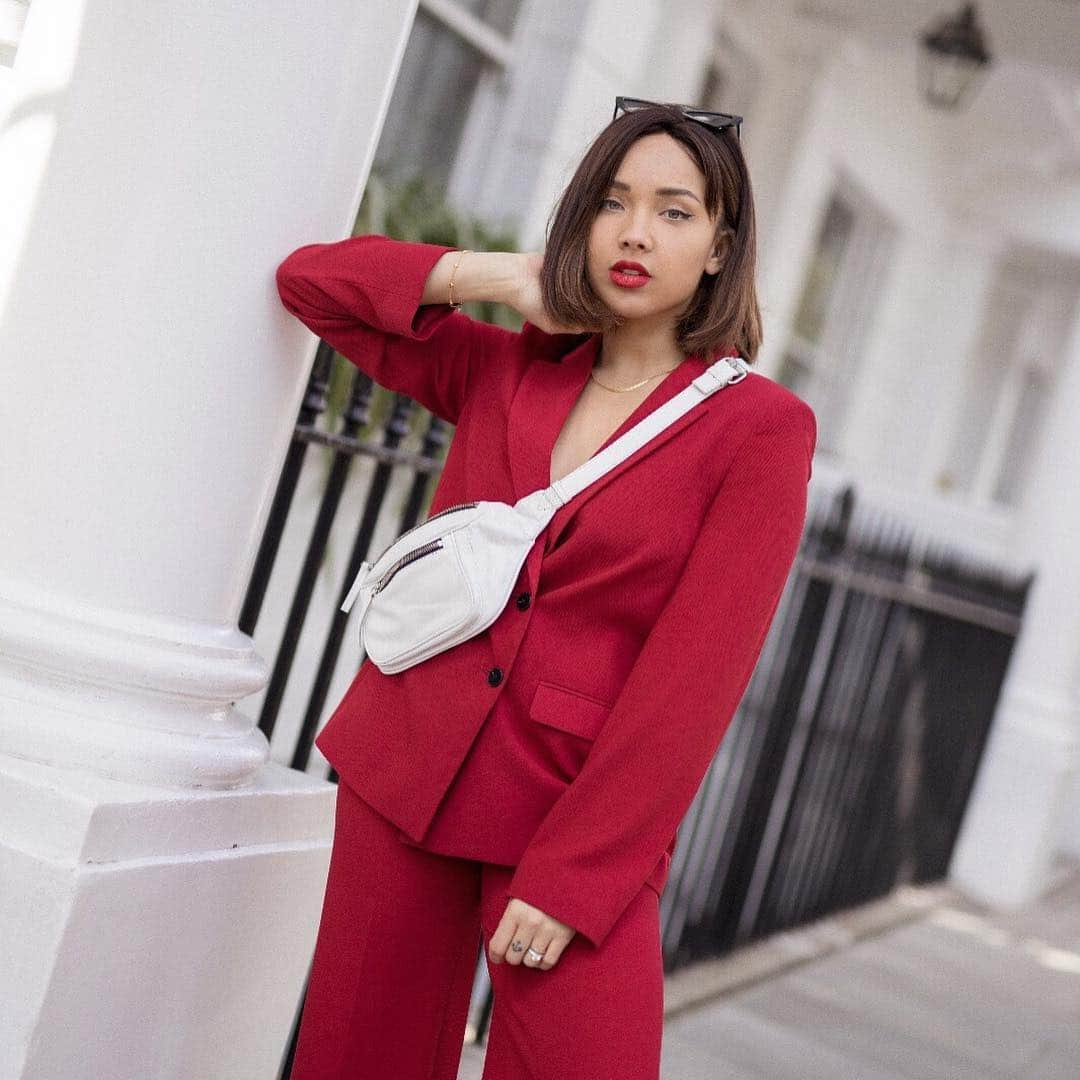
(161, 880)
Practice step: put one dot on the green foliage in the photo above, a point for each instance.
(414, 210)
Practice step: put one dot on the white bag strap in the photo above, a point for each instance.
(724, 372)
(540, 505)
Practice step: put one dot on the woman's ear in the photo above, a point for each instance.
(715, 260)
(719, 253)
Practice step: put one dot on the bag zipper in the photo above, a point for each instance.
(445, 510)
(410, 556)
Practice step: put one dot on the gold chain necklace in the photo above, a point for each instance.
(627, 389)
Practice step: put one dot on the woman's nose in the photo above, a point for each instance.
(636, 234)
(635, 240)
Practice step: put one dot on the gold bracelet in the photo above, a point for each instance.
(450, 286)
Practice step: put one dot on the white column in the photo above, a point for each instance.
(791, 172)
(160, 879)
(1014, 819)
(911, 380)
(680, 49)
(782, 132)
(609, 54)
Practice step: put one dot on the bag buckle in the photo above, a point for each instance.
(709, 381)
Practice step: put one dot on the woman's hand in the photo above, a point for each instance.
(527, 926)
(527, 300)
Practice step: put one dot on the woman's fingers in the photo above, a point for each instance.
(522, 927)
(528, 300)
(552, 952)
(521, 940)
(506, 935)
(541, 943)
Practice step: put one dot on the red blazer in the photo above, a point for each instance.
(570, 737)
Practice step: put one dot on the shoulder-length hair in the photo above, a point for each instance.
(723, 314)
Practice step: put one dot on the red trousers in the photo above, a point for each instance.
(396, 955)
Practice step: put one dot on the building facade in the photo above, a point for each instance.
(919, 277)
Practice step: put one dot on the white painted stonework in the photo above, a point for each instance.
(161, 878)
(154, 935)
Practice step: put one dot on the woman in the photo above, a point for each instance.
(525, 786)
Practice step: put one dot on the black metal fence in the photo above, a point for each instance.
(848, 765)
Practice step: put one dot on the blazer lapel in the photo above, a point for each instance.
(550, 386)
(542, 405)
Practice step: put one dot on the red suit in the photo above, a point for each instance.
(566, 742)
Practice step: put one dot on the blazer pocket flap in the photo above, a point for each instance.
(568, 710)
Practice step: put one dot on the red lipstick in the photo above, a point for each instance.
(629, 275)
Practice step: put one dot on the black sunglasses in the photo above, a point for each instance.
(715, 121)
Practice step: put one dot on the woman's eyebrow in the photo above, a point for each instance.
(623, 186)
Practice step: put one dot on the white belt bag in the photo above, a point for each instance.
(446, 579)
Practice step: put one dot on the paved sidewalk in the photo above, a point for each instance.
(922, 985)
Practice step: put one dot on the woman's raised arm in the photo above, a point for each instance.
(381, 303)
(481, 275)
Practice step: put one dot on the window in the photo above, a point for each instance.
(453, 46)
(1010, 380)
(12, 17)
(836, 307)
(803, 355)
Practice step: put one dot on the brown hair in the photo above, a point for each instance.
(723, 314)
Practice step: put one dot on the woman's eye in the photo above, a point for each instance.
(680, 215)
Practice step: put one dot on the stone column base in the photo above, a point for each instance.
(157, 933)
(1005, 850)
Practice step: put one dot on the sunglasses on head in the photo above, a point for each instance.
(715, 121)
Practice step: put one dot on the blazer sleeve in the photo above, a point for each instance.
(606, 832)
(362, 295)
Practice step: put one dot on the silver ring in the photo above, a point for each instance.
(536, 955)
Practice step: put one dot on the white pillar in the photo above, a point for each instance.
(792, 172)
(781, 124)
(911, 381)
(160, 879)
(599, 62)
(1013, 823)
(680, 49)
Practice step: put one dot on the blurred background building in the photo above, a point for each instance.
(183, 501)
(919, 267)
(919, 260)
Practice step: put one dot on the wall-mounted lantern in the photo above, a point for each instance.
(953, 60)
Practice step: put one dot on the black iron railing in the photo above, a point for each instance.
(848, 765)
